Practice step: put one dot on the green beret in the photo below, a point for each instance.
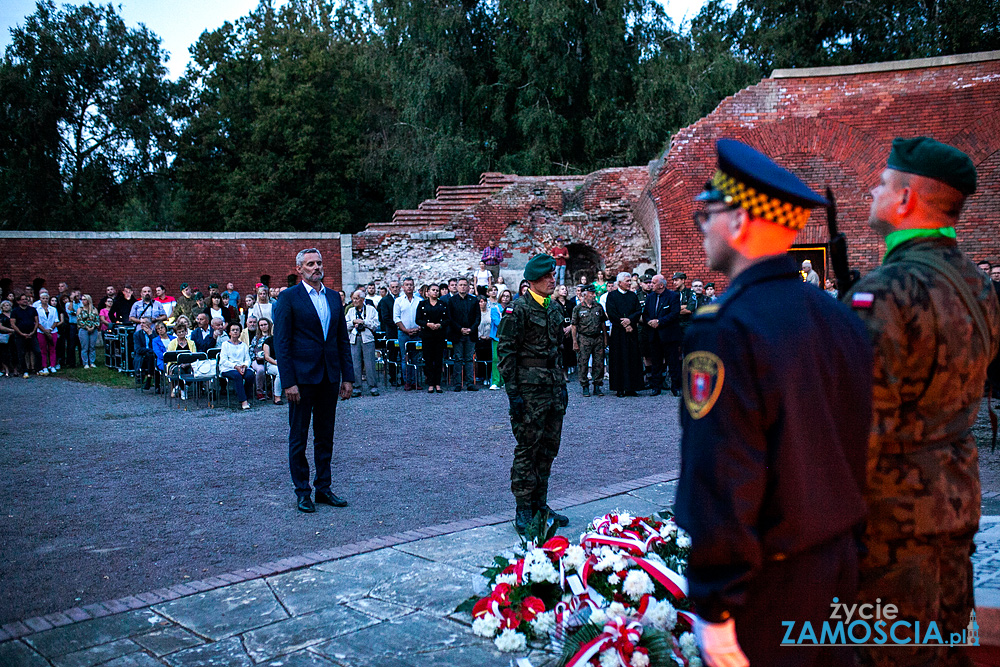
(538, 266)
(924, 156)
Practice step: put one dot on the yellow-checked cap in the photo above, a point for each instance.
(751, 180)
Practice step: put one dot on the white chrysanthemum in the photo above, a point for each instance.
(539, 568)
(511, 641)
(616, 609)
(544, 623)
(667, 529)
(661, 615)
(637, 583)
(640, 660)
(506, 579)
(598, 617)
(625, 518)
(689, 645)
(508, 556)
(655, 557)
(695, 661)
(574, 558)
(614, 579)
(609, 658)
(486, 626)
(683, 540)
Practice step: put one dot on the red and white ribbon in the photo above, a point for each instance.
(673, 582)
(619, 634)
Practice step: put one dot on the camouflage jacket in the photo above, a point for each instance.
(930, 365)
(589, 320)
(531, 334)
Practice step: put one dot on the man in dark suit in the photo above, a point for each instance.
(661, 314)
(314, 362)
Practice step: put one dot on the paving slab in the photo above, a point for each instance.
(226, 653)
(458, 546)
(134, 660)
(167, 640)
(480, 656)
(76, 637)
(661, 494)
(300, 659)
(17, 654)
(311, 589)
(380, 609)
(301, 632)
(433, 587)
(393, 642)
(97, 655)
(580, 516)
(227, 611)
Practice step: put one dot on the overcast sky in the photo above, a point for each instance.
(180, 22)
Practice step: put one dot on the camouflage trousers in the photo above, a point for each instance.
(590, 347)
(538, 438)
(928, 579)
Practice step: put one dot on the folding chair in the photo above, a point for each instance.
(168, 358)
(393, 344)
(414, 359)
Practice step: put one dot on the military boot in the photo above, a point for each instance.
(586, 389)
(597, 390)
(560, 520)
(522, 519)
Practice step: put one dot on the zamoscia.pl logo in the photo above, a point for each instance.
(875, 625)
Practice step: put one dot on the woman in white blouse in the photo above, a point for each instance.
(262, 308)
(48, 321)
(234, 365)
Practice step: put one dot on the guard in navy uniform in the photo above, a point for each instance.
(777, 406)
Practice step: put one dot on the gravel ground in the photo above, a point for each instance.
(111, 493)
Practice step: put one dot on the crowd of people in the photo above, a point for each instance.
(626, 329)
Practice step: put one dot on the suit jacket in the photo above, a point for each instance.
(304, 357)
(666, 308)
(202, 341)
(463, 314)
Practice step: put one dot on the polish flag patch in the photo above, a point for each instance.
(862, 300)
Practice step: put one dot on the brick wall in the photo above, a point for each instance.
(834, 126)
(92, 261)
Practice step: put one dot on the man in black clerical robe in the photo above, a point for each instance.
(624, 362)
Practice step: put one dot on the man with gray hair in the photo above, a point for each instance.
(362, 321)
(808, 275)
(314, 362)
(624, 364)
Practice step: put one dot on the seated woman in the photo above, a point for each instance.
(160, 343)
(262, 330)
(173, 370)
(271, 364)
(234, 364)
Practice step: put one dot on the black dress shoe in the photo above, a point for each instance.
(330, 498)
(656, 392)
(472, 387)
(458, 388)
(305, 504)
(673, 392)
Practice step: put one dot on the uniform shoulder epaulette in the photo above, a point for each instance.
(708, 311)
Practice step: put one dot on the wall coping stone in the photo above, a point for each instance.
(916, 63)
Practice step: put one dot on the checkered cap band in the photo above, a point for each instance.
(759, 204)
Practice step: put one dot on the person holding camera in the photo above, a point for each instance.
(362, 322)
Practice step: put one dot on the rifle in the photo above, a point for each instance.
(838, 248)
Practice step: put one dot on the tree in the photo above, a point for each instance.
(93, 94)
(272, 123)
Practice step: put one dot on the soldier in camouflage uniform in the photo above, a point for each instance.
(186, 305)
(530, 351)
(590, 339)
(934, 322)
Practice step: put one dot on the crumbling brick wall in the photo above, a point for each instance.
(834, 126)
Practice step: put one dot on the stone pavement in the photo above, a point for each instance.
(385, 602)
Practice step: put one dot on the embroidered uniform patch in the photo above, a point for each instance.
(862, 300)
(703, 374)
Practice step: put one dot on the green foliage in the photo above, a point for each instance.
(325, 115)
(83, 100)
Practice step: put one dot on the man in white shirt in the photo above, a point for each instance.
(404, 314)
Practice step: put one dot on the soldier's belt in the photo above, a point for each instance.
(533, 362)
